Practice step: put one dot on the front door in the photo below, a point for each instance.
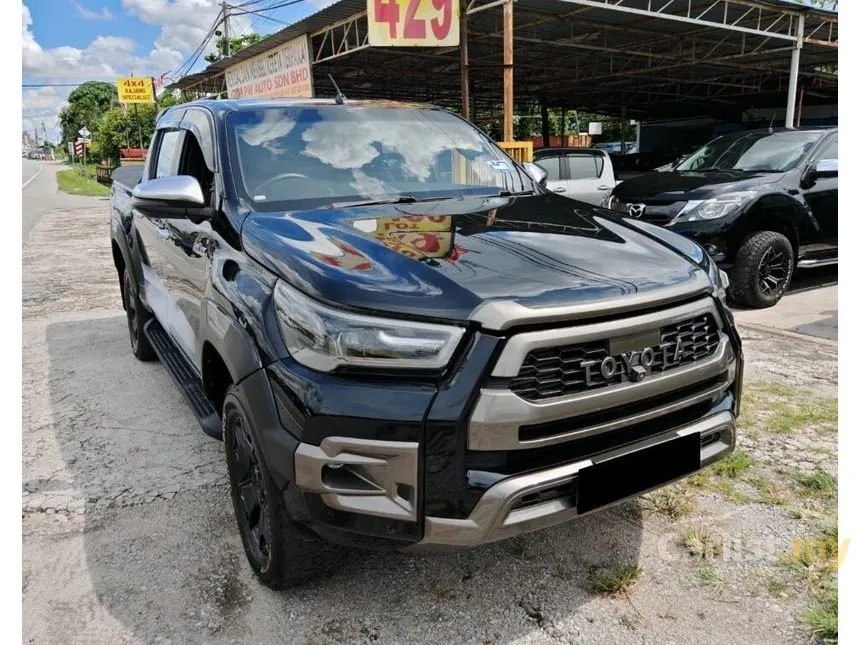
(187, 253)
(552, 165)
(151, 232)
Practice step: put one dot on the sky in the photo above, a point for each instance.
(71, 41)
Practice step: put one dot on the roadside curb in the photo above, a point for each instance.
(788, 334)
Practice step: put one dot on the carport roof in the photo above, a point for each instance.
(656, 58)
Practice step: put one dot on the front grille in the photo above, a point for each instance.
(558, 371)
(655, 213)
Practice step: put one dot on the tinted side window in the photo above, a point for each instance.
(551, 165)
(201, 126)
(168, 153)
(582, 167)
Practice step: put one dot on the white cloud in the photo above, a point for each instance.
(103, 14)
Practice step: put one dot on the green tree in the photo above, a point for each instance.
(86, 104)
(123, 127)
(236, 44)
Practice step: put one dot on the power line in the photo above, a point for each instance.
(272, 8)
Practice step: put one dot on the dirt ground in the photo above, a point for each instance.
(129, 535)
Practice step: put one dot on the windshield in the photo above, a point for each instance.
(317, 156)
(752, 151)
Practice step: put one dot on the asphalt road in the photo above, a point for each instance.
(39, 188)
(129, 535)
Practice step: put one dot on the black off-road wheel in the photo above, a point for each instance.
(763, 268)
(281, 552)
(137, 316)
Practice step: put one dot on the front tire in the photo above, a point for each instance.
(136, 317)
(763, 269)
(281, 552)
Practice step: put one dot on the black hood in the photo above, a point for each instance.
(443, 259)
(668, 187)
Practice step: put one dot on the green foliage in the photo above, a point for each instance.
(86, 104)
(122, 127)
(73, 182)
(236, 44)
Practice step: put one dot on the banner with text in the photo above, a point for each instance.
(283, 72)
(413, 23)
(135, 89)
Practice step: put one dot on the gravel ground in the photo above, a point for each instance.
(129, 535)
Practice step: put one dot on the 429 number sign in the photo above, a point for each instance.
(413, 23)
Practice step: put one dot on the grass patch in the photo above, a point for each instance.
(790, 417)
(700, 542)
(725, 487)
(823, 616)
(72, 182)
(768, 492)
(776, 587)
(733, 465)
(672, 502)
(709, 577)
(614, 578)
(817, 484)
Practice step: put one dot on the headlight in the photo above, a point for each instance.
(719, 279)
(323, 338)
(713, 208)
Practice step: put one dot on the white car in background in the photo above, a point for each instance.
(579, 173)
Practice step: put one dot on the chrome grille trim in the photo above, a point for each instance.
(518, 347)
(499, 413)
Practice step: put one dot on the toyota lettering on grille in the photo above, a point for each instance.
(638, 362)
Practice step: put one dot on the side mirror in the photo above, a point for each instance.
(168, 196)
(537, 173)
(826, 168)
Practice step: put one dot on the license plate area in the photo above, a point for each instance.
(619, 477)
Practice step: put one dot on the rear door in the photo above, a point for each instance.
(152, 231)
(822, 197)
(552, 163)
(585, 172)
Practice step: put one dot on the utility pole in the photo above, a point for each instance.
(508, 62)
(224, 8)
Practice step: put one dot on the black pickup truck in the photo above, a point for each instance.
(406, 341)
(761, 202)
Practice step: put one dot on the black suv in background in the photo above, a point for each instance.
(761, 202)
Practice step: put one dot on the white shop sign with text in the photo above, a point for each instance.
(283, 72)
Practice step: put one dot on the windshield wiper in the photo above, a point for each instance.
(508, 193)
(399, 199)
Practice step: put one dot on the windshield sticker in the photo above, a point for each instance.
(499, 166)
(259, 198)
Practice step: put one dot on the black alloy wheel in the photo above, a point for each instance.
(773, 271)
(136, 316)
(764, 265)
(252, 510)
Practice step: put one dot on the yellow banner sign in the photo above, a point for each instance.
(135, 89)
(413, 23)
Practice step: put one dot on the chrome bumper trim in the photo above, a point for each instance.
(499, 413)
(495, 518)
(361, 475)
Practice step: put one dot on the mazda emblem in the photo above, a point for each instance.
(636, 210)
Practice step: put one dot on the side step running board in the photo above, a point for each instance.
(176, 363)
(809, 264)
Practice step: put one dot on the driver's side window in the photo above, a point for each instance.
(192, 163)
(168, 153)
(829, 150)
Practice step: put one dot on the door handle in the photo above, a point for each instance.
(604, 187)
(560, 189)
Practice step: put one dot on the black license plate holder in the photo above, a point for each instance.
(636, 472)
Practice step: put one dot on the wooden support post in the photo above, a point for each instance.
(464, 59)
(508, 53)
(544, 121)
(563, 134)
(623, 129)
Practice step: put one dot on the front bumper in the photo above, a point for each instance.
(514, 506)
